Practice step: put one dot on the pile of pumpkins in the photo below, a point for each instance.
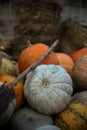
(57, 87)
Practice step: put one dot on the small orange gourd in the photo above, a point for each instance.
(30, 54)
(77, 54)
(65, 61)
(17, 88)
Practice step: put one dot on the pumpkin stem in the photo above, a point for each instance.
(28, 43)
(33, 66)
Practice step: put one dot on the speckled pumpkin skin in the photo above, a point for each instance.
(48, 89)
(79, 73)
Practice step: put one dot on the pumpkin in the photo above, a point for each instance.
(77, 54)
(8, 67)
(17, 88)
(48, 127)
(47, 86)
(30, 54)
(74, 116)
(6, 115)
(65, 61)
(79, 73)
(28, 119)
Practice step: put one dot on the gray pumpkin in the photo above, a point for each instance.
(28, 119)
(48, 88)
(48, 127)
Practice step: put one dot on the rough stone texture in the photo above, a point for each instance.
(7, 17)
(40, 21)
(72, 37)
(37, 21)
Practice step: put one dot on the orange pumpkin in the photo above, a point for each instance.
(17, 88)
(65, 61)
(79, 73)
(77, 54)
(30, 54)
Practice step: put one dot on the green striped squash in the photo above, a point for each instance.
(74, 116)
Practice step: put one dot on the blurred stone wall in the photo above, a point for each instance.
(36, 21)
(7, 17)
(40, 21)
(75, 9)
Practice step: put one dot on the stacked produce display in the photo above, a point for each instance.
(48, 94)
(43, 71)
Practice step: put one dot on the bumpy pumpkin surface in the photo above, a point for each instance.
(29, 55)
(74, 117)
(77, 54)
(17, 88)
(65, 61)
(48, 88)
(79, 73)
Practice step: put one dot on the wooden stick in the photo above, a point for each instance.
(33, 66)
